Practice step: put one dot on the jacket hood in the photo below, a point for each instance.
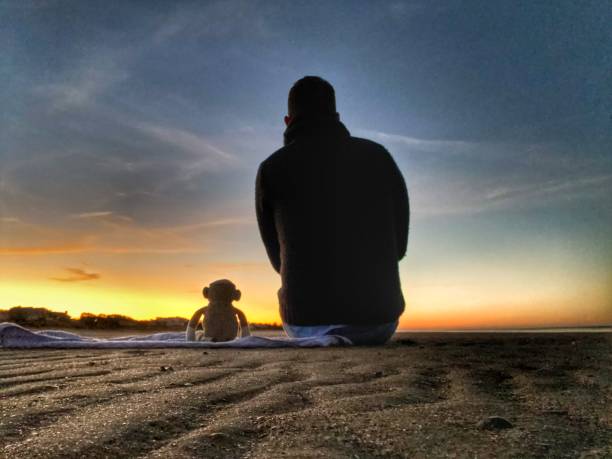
(309, 126)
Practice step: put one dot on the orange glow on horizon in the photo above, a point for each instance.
(82, 298)
(157, 277)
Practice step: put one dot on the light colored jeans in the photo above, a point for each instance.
(358, 334)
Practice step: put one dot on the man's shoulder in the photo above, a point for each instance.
(371, 151)
(358, 143)
(368, 144)
(278, 156)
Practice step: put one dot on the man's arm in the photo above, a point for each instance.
(401, 207)
(265, 219)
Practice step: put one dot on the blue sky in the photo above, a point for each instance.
(134, 129)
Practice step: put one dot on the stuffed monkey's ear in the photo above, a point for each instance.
(237, 295)
(205, 292)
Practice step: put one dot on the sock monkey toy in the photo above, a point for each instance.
(221, 319)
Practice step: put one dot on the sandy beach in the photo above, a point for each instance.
(423, 395)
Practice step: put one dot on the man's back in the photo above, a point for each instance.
(333, 214)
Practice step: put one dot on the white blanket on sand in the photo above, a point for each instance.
(15, 336)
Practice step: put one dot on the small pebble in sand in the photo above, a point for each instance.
(495, 423)
(166, 368)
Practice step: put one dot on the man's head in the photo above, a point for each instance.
(311, 96)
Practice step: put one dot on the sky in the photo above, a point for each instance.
(131, 132)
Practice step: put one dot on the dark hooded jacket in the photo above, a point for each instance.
(333, 214)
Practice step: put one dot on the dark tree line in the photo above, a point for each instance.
(44, 318)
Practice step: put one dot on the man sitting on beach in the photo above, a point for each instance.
(333, 214)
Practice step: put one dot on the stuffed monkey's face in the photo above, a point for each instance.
(222, 291)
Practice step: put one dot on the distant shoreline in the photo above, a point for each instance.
(43, 318)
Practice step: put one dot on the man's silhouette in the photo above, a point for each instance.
(333, 215)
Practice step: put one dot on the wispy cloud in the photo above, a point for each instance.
(216, 19)
(87, 215)
(237, 266)
(111, 249)
(10, 220)
(110, 235)
(188, 142)
(101, 215)
(81, 88)
(452, 177)
(570, 185)
(194, 155)
(77, 275)
(425, 145)
(402, 10)
(459, 200)
(213, 223)
(44, 250)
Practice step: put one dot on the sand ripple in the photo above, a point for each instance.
(417, 398)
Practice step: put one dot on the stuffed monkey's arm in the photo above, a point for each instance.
(193, 323)
(244, 323)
